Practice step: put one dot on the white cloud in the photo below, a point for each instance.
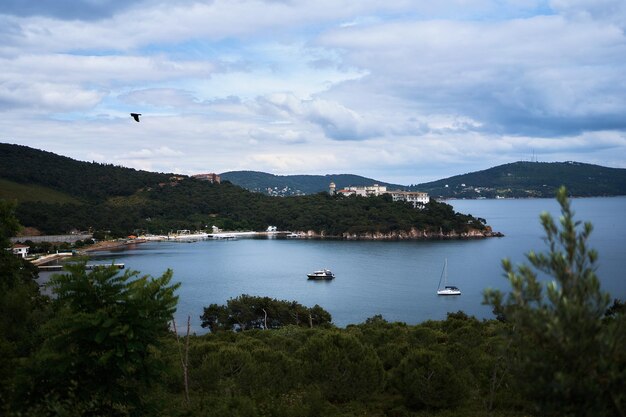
(337, 121)
(45, 96)
(150, 153)
(426, 88)
(541, 73)
(609, 11)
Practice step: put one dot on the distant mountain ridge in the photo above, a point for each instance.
(285, 185)
(514, 180)
(531, 179)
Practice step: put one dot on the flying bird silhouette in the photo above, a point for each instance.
(135, 116)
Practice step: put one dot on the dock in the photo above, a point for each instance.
(88, 267)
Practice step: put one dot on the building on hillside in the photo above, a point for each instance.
(346, 193)
(417, 198)
(414, 197)
(366, 190)
(20, 250)
(211, 177)
(331, 188)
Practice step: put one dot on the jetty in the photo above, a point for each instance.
(50, 258)
(51, 268)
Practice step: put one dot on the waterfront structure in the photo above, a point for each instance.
(210, 177)
(417, 198)
(20, 250)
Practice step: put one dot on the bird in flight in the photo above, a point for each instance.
(135, 116)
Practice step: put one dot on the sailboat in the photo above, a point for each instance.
(447, 289)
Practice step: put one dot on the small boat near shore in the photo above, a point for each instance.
(323, 274)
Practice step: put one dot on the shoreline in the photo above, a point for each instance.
(109, 245)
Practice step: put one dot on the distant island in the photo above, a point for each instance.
(57, 195)
(515, 180)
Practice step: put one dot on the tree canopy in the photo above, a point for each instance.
(567, 357)
(251, 312)
(99, 344)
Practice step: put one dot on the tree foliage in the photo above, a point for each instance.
(22, 307)
(251, 312)
(428, 379)
(100, 342)
(342, 366)
(567, 358)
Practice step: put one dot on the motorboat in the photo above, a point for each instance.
(447, 289)
(321, 274)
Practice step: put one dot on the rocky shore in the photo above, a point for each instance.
(413, 234)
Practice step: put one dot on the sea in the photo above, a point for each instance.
(395, 279)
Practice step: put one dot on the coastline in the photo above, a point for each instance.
(110, 245)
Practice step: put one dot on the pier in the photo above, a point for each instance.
(88, 267)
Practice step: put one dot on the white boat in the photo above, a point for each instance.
(321, 274)
(447, 289)
(188, 235)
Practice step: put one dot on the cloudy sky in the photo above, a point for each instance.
(397, 90)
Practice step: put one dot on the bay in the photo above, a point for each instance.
(396, 279)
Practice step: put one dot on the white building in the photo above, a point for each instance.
(417, 198)
(414, 197)
(20, 250)
(365, 190)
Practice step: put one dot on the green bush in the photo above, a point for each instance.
(341, 366)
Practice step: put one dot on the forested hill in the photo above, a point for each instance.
(515, 180)
(82, 180)
(57, 194)
(531, 179)
(296, 184)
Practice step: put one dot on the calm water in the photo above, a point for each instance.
(395, 279)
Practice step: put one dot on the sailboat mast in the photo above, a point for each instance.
(444, 274)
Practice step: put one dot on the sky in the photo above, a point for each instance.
(396, 90)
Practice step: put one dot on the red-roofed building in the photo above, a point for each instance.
(213, 178)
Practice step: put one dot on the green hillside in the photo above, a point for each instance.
(284, 185)
(10, 190)
(125, 201)
(517, 180)
(84, 180)
(531, 179)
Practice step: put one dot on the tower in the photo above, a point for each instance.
(331, 188)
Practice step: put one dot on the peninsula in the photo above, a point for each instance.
(67, 195)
